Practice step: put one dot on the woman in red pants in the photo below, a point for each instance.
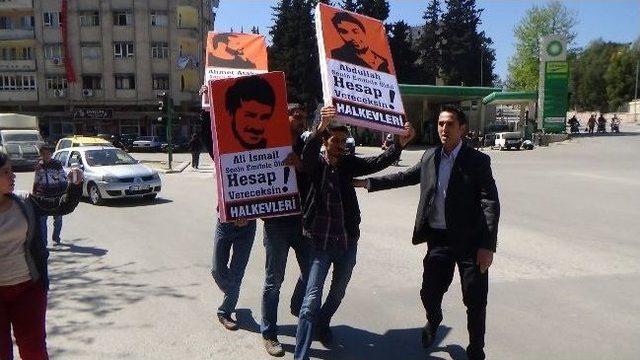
(23, 274)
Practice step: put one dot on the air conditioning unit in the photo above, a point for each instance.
(59, 93)
(87, 92)
(56, 61)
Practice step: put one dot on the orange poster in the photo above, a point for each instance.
(233, 54)
(251, 134)
(358, 76)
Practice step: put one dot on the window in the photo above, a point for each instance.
(24, 53)
(125, 82)
(27, 22)
(63, 155)
(122, 18)
(160, 82)
(123, 49)
(91, 18)
(52, 18)
(17, 82)
(5, 23)
(56, 82)
(93, 82)
(159, 18)
(91, 51)
(159, 50)
(53, 51)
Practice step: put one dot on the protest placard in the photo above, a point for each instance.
(358, 76)
(251, 134)
(231, 55)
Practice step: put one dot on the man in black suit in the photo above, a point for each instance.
(458, 219)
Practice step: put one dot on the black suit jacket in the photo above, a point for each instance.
(472, 208)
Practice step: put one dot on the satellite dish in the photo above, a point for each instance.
(183, 61)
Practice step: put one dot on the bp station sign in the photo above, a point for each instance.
(553, 84)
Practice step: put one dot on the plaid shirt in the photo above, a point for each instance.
(328, 227)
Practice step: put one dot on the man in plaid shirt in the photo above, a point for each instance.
(332, 221)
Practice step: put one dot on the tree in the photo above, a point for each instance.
(429, 44)
(377, 9)
(350, 5)
(554, 18)
(588, 82)
(404, 57)
(294, 50)
(621, 76)
(465, 50)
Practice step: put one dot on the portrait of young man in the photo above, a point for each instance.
(356, 49)
(228, 52)
(250, 103)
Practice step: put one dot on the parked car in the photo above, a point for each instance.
(508, 141)
(77, 140)
(110, 173)
(147, 143)
(180, 144)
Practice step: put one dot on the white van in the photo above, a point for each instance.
(508, 141)
(20, 139)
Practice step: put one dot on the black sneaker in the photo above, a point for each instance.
(228, 322)
(428, 336)
(325, 336)
(273, 347)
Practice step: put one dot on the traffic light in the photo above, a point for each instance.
(163, 102)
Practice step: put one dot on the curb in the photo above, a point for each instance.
(180, 168)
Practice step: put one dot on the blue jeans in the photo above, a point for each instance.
(57, 228)
(279, 236)
(227, 268)
(312, 314)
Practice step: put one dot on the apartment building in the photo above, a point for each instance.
(95, 66)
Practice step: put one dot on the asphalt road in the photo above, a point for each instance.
(132, 280)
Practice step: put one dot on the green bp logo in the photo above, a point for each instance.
(554, 48)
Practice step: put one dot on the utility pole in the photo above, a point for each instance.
(635, 97)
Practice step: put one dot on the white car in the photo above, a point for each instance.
(147, 143)
(508, 140)
(110, 173)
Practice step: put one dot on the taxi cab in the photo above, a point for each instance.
(76, 141)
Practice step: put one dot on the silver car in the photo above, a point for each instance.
(110, 173)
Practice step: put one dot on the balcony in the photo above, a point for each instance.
(126, 94)
(17, 65)
(58, 94)
(18, 96)
(16, 34)
(16, 5)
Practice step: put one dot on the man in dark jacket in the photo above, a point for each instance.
(332, 221)
(457, 217)
(195, 145)
(50, 181)
(281, 234)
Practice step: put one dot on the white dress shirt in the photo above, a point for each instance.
(437, 218)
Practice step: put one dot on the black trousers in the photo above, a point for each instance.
(195, 159)
(439, 264)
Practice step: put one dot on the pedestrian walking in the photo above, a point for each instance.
(457, 217)
(195, 146)
(232, 244)
(50, 181)
(24, 280)
(280, 235)
(332, 220)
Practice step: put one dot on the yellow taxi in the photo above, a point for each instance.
(77, 140)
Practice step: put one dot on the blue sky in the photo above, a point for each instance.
(611, 20)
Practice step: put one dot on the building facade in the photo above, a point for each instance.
(96, 66)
